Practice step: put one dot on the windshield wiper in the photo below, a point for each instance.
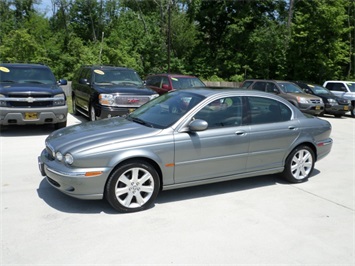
(139, 121)
(127, 83)
(33, 81)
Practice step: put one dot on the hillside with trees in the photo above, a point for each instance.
(311, 40)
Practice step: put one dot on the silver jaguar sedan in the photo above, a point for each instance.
(180, 139)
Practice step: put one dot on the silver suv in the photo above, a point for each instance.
(30, 95)
(290, 91)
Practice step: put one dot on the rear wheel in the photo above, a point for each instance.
(299, 164)
(75, 110)
(132, 187)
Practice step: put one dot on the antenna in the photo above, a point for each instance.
(102, 40)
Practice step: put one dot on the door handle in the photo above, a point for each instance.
(292, 128)
(240, 133)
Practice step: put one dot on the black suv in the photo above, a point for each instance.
(105, 91)
(30, 95)
(333, 105)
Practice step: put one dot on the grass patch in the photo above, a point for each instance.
(70, 105)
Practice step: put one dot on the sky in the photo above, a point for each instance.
(45, 7)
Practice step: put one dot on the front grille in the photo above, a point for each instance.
(343, 102)
(131, 100)
(32, 101)
(316, 101)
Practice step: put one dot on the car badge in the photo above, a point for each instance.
(30, 99)
(133, 100)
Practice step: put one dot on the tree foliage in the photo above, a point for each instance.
(230, 40)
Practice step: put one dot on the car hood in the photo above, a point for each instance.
(126, 89)
(303, 95)
(89, 135)
(28, 88)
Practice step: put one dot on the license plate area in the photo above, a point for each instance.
(317, 107)
(346, 108)
(31, 116)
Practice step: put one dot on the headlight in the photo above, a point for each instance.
(2, 101)
(153, 96)
(106, 99)
(68, 158)
(59, 156)
(332, 101)
(59, 99)
(302, 100)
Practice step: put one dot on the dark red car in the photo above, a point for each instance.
(163, 83)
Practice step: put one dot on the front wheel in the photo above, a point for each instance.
(352, 113)
(132, 187)
(92, 114)
(299, 164)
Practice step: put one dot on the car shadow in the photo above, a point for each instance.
(26, 130)
(64, 203)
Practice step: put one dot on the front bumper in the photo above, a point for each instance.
(73, 182)
(337, 109)
(33, 116)
(313, 109)
(108, 111)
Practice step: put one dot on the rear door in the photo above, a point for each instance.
(272, 132)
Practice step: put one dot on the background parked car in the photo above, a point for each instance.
(221, 135)
(30, 95)
(333, 105)
(343, 89)
(105, 91)
(310, 104)
(163, 83)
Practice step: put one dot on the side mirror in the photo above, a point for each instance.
(343, 89)
(166, 87)
(62, 82)
(308, 91)
(276, 91)
(83, 81)
(198, 125)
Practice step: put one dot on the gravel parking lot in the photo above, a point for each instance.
(261, 220)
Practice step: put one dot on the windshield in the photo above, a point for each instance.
(289, 87)
(319, 89)
(117, 76)
(165, 110)
(351, 86)
(28, 74)
(186, 82)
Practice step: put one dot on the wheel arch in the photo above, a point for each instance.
(150, 161)
(306, 143)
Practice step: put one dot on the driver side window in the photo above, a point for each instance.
(224, 112)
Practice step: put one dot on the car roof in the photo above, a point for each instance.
(106, 67)
(210, 91)
(25, 65)
(173, 75)
(268, 80)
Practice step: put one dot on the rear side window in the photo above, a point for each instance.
(265, 110)
(259, 86)
(334, 86)
(153, 81)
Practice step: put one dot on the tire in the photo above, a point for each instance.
(299, 164)
(352, 113)
(92, 113)
(60, 125)
(337, 116)
(75, 110)
(132, 187)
